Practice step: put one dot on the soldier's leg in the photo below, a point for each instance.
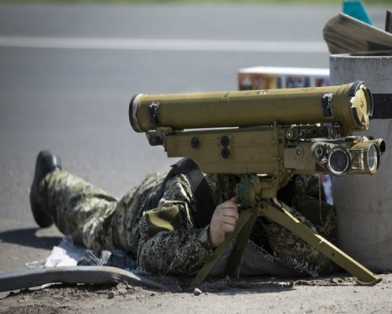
(79, 209)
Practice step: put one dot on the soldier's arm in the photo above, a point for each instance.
(169, 242)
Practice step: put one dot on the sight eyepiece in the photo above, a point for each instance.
(339, 161)
(372, 158)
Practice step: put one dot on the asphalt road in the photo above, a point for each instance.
(57, 93)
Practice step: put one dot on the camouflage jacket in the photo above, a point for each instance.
(170, 243)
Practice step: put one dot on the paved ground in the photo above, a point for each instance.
(74, 99)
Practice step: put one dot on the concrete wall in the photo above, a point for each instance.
(364, 203)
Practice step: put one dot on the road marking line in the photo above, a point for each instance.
(207, 45)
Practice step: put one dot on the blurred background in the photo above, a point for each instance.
(68, 70)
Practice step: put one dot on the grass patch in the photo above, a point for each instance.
(186, 1)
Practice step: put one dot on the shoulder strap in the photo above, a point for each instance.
(202, 194)
(201, 190)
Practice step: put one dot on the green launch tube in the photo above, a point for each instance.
(349, 104)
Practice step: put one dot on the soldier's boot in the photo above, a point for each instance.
(46, 163)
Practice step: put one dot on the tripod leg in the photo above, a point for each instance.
(277, 213)
(245, 216)
(234, 261)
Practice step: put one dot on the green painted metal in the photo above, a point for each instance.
(350, 104)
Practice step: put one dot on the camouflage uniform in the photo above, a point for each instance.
(165, 239)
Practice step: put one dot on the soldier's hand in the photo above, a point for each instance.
(223, 221)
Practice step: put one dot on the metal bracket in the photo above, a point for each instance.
(326, 104)
(154, 113)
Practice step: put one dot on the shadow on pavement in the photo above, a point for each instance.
(28, 237)
(249, 285)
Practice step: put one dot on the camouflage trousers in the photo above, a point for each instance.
(91, 216)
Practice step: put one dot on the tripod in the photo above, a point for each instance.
(250, 195)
